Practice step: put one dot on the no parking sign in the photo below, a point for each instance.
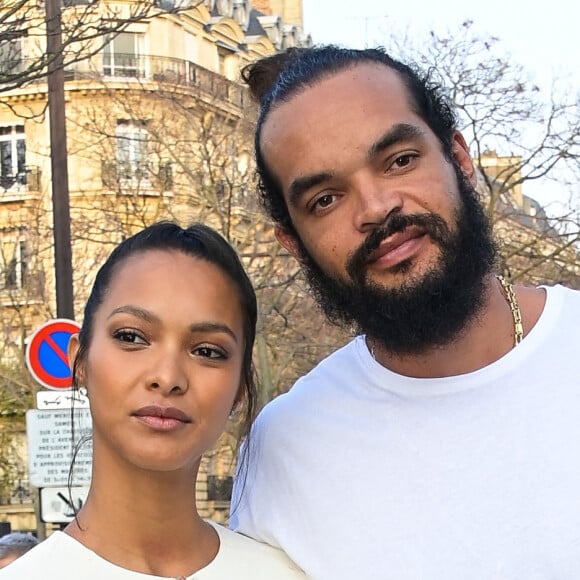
(46, 353)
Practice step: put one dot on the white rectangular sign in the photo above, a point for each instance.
(57, 505)
(62, 399)
(50, 446)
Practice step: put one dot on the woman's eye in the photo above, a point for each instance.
(129, 336)
(209, 352)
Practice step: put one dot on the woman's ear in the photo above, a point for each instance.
(237, 401)
(73, 349)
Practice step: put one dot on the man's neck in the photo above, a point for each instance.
(486, 338)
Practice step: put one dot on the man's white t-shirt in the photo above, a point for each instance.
(359, 472)
(61, 557)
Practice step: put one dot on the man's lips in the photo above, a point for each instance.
(398, 246)
(163, 418)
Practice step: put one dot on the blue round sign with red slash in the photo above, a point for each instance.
(47, 353)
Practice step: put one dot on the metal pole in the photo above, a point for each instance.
(58, 160)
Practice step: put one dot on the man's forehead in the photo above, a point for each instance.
(361, 90)
(342, 88)
(362, 76)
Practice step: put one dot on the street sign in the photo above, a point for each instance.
(46, 353)
(57, 506)
(50, 445)
(61, 399)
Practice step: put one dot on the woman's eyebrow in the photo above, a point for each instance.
(212, 327)
(136, 311)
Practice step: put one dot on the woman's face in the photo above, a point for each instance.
(164, 364)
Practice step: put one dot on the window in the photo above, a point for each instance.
(14, 261)
(10, 56)
(121, 56)
(132, 150)
(174, 4)
(219, 488)
(12, 157)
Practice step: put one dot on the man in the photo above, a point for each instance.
(441, 443)
(14, 545)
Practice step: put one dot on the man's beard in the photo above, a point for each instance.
(427, 310)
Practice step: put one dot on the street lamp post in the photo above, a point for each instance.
(58, 160)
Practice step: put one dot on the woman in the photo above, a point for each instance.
(165, 354)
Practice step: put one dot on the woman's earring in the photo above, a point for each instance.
(83, 391)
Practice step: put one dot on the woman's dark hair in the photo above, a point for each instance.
(198, 241)
(276, 79)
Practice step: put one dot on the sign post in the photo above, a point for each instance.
(58, 505)
(51, 444)
(47, 353)
(51, 437)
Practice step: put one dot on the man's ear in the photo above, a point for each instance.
(73, 349)
(463, 158)
(289, 241)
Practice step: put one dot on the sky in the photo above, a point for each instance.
(541, 36)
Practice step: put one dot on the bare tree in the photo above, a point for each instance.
(191, 161)
(517, 135)
(87, 26)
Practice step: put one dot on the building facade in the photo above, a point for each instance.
(158, 126)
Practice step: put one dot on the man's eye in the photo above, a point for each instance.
(323, 201)
(129, 336)
(403, 160)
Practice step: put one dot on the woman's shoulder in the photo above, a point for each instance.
(241, 557)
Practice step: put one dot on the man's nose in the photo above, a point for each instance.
(374, 202)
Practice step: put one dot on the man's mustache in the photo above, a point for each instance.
(433, 224)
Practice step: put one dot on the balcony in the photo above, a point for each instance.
(118, 176)
(10, 67)
(22, 182)
(20, 492)
(162, 70)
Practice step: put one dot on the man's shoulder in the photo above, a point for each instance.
(320, 381)
(337, 363)
(562, 302)
(561, 291)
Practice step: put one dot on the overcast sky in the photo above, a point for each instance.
(541, 36)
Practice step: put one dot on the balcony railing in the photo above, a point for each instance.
(27, 180)
(18, 493)
(117, 175)
(163, 70)
(10, 66)
(142, 67)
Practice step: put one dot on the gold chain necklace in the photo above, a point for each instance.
(514, 307)
(513, 304)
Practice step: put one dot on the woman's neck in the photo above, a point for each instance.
(145, 521)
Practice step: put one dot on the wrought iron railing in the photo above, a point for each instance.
(118, 174)
(29, 180)
(164, 70)
(20, 492)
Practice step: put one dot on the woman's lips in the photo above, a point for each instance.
(162, 418)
